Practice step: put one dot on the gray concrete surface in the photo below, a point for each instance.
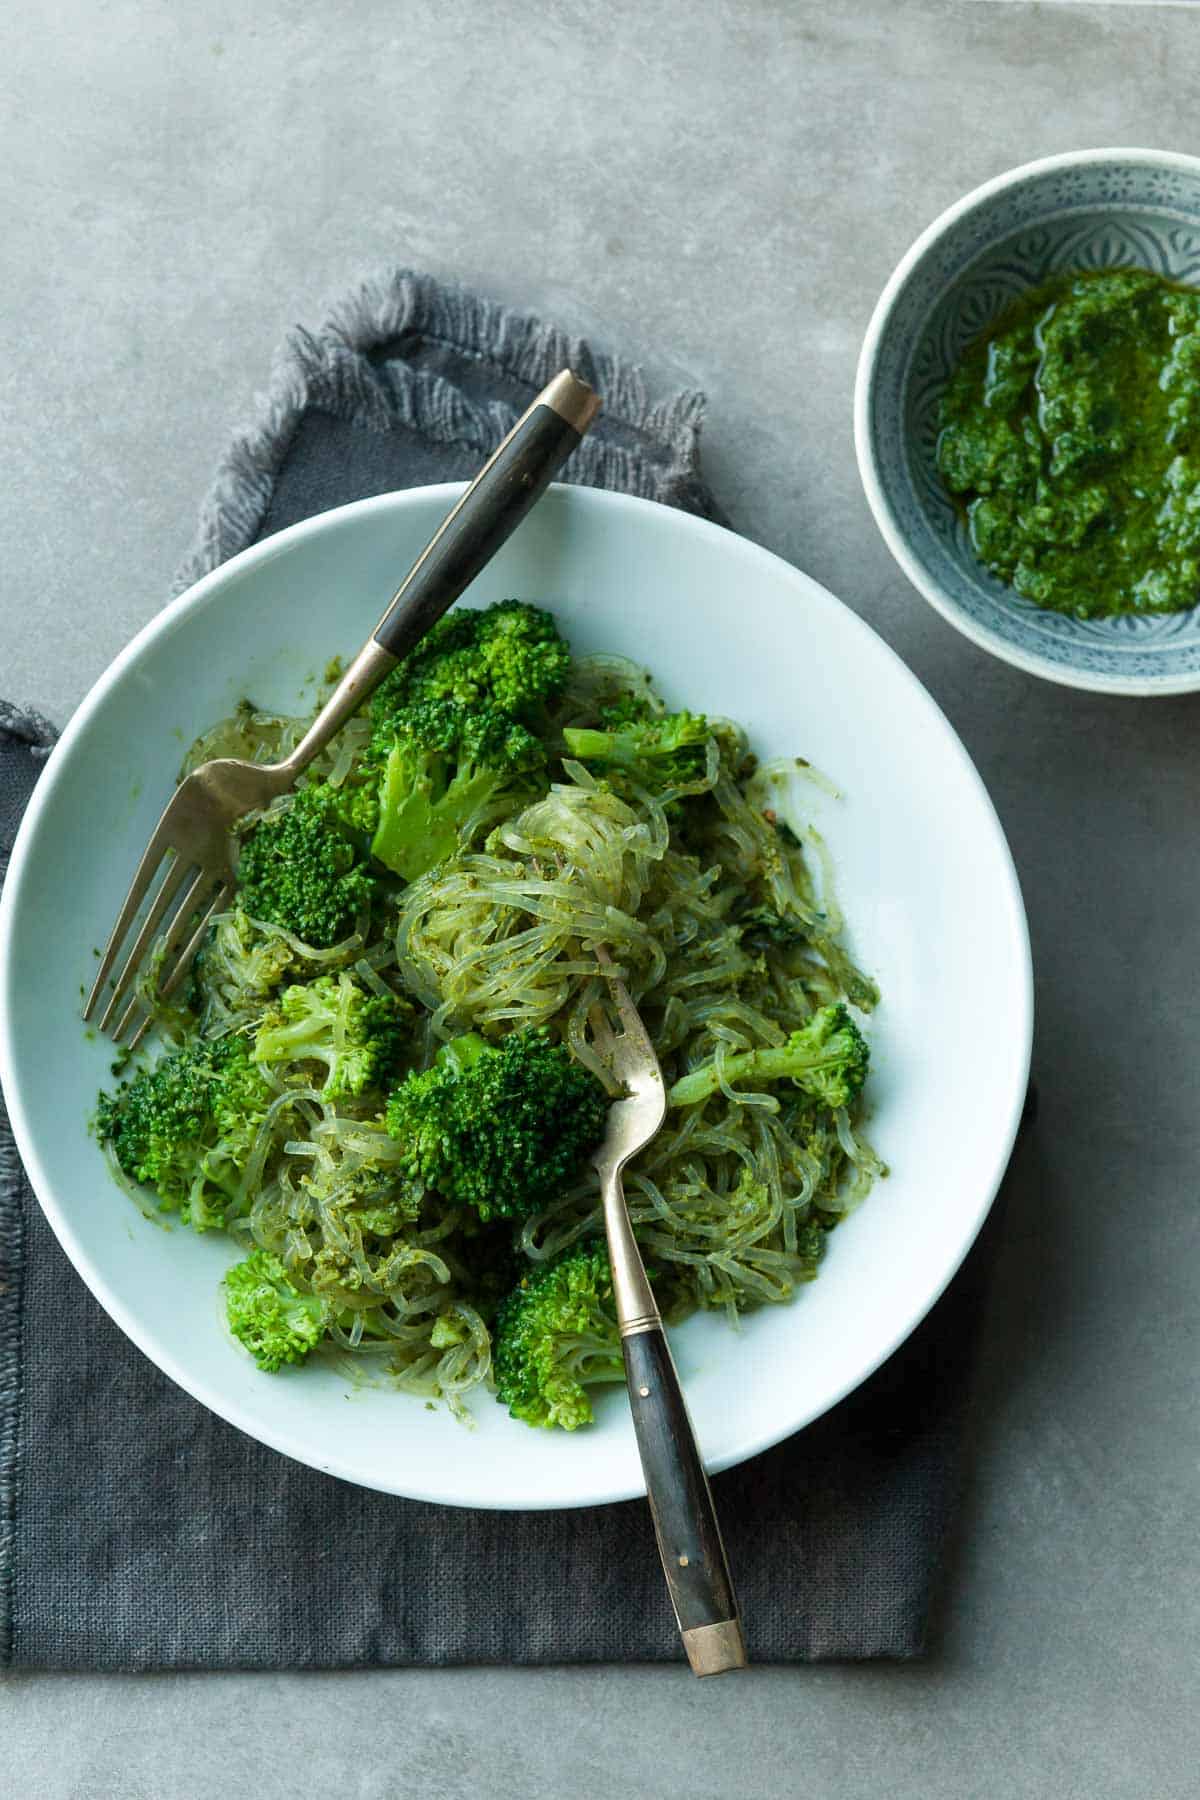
(727, 185)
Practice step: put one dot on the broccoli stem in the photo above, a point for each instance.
(588, 744)
(761, 1065)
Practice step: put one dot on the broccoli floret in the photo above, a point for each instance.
(156, 1123)
(388, 1217)
(239, 1098)
(827, 1059)
(630, 708)
(269, 1315)
(506, 658)
(555, 1336)
(525, 661)
(188, 1125)
(502, 1128)
(333, 1020)
(298, 870)
(667, 751)
(450, 770)
(352, 807)
(451, 730)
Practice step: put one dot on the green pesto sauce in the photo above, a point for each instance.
(1071, 433)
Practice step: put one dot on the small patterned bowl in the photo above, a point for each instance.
(1090, 209)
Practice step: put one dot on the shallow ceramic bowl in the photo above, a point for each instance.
(925, 876)
(1092, 209)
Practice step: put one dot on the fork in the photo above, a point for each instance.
(194, 830)
(681, 1502)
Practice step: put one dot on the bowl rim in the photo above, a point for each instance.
(194, 1381)
(870, 469)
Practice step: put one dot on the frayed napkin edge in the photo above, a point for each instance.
(335, 369)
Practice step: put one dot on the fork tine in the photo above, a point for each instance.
(156, 849)
(631, 1018)
(602, 1032)
(170, 980)
(219, 900)
(168, 890)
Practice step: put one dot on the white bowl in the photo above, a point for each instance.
(1086, 209)
(925, 876)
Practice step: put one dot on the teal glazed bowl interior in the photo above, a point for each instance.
(1092, 209)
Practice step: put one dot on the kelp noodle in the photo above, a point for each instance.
(709, 909)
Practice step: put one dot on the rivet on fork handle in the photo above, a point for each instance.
(681, 1505)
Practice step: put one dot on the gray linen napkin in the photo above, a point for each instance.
(138, 1531)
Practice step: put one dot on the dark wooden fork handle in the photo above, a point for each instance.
(492, 507)
(681, 1503)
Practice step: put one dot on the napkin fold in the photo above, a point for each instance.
(139, 1531)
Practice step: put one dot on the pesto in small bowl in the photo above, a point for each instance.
(1023, 418)
(1070, 432)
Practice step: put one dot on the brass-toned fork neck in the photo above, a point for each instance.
(357, 684)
